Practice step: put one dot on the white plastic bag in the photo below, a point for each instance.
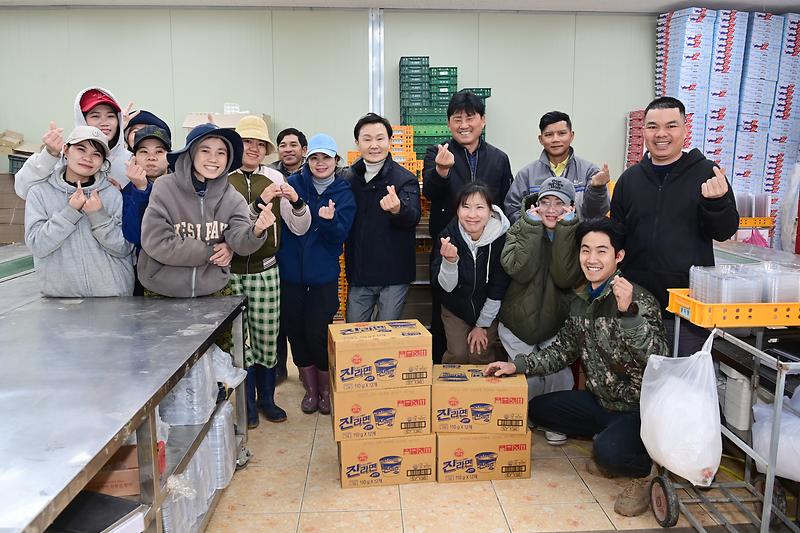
(680, 415)
(787, 464)
(224, 371)
(192, 400)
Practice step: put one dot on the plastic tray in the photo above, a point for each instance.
(430, 131)
(481, 92)
(443, 72)
(732, 315)
(420, 61)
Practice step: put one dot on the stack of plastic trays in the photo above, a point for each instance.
(192, 400)
(222, 441)
(739, 289)
(175, 512)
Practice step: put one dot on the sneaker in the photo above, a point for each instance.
(635, 499)
(555, 438)
(598, 471)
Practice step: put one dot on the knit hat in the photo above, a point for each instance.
(152, 132)
(205, 130)
(321, 143)
(253, 127)
(94, 97)
(88, 133)
(558, 187)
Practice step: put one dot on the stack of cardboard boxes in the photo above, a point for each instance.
(481, 425)
(381, 383)
(384, 408)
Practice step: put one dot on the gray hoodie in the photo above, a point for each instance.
(39, 166)
(78, 254)
(590, 202)
(180, 229)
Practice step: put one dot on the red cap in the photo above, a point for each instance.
(95, 97)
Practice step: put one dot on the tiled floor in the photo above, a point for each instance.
(292, 485)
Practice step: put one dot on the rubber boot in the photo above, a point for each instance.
(323, 380)
(310, 402)
(250, 396)
(265, 382)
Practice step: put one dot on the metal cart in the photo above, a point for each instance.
(763, 490)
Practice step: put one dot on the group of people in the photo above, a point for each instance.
(528, 274)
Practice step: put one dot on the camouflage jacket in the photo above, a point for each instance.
(614, 348)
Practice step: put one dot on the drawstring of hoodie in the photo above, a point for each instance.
(488, 259)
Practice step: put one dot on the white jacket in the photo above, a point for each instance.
(40, 166)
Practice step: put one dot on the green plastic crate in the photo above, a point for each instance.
(440, 99)
(430, 131)
(415, 96)
(408, 104)
(449, 90)
(414, 119)
(417, 61)
(407, 70)
(440, 72)
(419, 86)
(482, 92)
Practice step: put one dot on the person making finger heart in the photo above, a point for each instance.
(309, 266)
(613, 327)
(673, 205)
(469, 277)
(387, 200)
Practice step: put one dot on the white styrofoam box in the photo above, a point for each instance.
(757, 125)
(780, 128)
(737, 398)
(722, 157)
(721, 112)
(757, 90)
(765, 24)
(760, 109)
(698, 13)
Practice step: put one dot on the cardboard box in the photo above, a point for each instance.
(482, 457)
(392, 461)
(11, 139)
(116, 482)
(125, 458)
(226, 120)
(380, 413)
(464, 400)
(379, 355)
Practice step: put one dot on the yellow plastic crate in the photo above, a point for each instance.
(732, 315)
(756, 222)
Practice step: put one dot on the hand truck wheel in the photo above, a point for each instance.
(664, 501)
(778, 498)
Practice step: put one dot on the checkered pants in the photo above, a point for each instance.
(262, 317)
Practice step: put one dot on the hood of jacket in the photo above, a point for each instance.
(56, 179)
(118, 154)
(214, 188)
(687, 160)
(497, 225)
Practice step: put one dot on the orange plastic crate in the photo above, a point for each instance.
(732, 314)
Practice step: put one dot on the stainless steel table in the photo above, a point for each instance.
(79, 376)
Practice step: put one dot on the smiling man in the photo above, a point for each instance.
(448, 167)
(558, 159)
(613, 328)
(673, 205)
(380, 260)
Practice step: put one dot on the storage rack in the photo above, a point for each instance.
(60, 435)
(666, 504)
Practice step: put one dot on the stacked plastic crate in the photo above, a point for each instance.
(634, 142)
(730, 32)
(756, 96)
(784, 129)
(443, 84)
(683, 56)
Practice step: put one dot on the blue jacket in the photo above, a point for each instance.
(313, 258)
(134, 202)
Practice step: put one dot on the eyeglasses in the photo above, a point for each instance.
(552, 205)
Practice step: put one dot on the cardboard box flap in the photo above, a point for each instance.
(473, 376)
(364, 334)
(28, 148)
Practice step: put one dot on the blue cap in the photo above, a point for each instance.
(205, 130)
(321, 143)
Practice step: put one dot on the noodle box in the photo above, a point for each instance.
(463, 400)
(391, 461)
(482, 457)
(379, 355)
(378, 413)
